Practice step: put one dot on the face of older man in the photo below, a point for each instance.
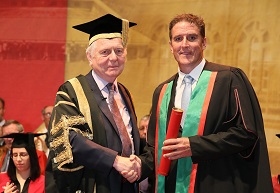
(107, 58)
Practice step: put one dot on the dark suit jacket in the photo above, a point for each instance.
(95, 155)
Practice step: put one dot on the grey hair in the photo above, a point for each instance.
(145, 117)
(18, 124)
(90, 48)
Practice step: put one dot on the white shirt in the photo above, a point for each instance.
(195, 74)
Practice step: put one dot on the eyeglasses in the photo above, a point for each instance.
(47, 114)
(22, 155)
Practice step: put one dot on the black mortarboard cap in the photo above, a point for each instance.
(23, 139)
(107, 26)
(278, 135)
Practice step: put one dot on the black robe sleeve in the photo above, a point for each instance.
(72, 146)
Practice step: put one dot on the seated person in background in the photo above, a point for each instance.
(23, 173)
(9, 127)
(13, 126)
(143, 128)
(41, 141)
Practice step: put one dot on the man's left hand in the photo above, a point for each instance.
(178, 148)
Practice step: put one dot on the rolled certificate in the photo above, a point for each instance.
(172, 132)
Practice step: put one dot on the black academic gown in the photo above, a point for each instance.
(232, 154)
(87, 164)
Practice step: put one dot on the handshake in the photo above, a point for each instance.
(128, 167)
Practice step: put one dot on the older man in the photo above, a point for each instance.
(93, 128)
(41, 142)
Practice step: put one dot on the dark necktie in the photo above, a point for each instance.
(126, 142)
(186, 96)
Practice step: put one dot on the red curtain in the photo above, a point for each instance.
(32, 57)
